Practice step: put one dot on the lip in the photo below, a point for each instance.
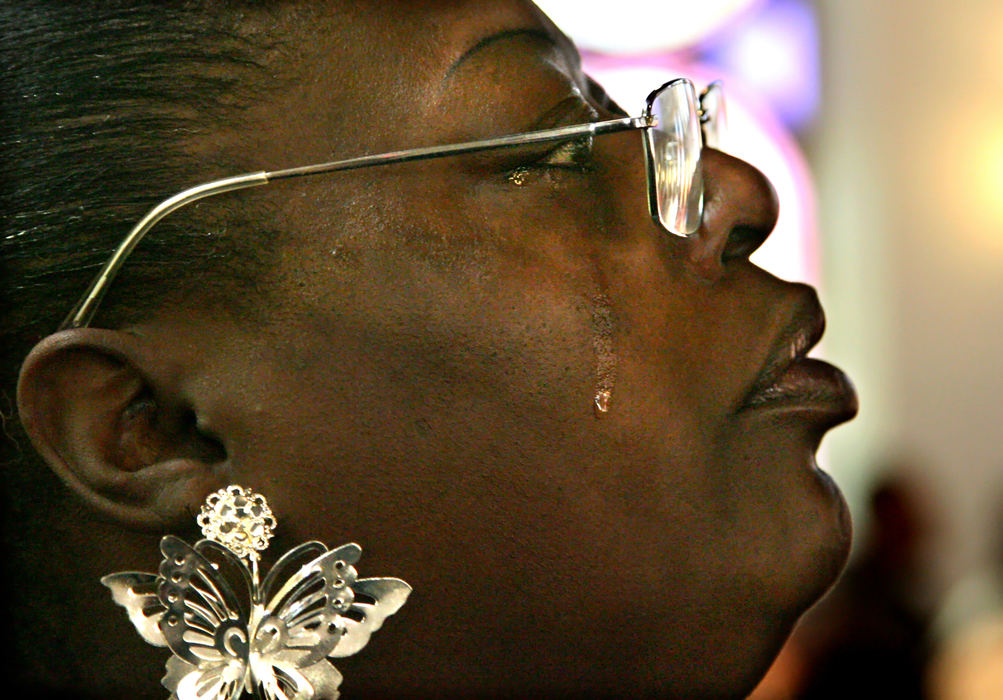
(791, 381)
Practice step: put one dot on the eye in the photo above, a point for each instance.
(571, 156)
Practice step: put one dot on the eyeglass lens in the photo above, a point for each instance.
(673, 147)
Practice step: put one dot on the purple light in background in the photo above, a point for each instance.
(775, 52)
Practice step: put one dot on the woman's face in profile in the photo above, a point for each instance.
(433, 339)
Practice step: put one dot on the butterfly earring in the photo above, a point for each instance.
(232, 633)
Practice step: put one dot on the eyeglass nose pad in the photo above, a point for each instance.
(713, 115)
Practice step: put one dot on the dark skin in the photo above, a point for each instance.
(421, 381)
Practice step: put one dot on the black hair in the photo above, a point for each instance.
(101, 103)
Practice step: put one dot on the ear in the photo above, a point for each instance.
(106, 413)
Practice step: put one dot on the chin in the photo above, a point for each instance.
(816, 563)
(814, 521)
(829, 548)
(808, 556)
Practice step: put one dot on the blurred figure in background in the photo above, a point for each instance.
(968, 632)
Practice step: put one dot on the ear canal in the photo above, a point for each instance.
(114, 437)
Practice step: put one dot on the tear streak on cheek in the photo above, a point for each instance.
(603, 323)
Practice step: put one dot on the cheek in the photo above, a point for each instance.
(440, 394)
(435, 404)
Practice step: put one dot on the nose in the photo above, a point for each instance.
(740, 211)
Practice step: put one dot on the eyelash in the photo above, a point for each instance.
(574, 156)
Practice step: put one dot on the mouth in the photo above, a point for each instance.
(790, 381)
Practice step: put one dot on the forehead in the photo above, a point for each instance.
(439, 32)
(432, 47)
(364, 77)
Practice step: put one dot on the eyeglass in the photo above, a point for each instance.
(675, 124)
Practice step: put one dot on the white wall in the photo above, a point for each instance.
(909, 161)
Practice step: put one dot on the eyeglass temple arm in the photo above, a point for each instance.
(83, 313)
(412, 154)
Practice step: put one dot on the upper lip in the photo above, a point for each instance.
(801, 333)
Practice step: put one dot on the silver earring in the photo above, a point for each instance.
(231, 633)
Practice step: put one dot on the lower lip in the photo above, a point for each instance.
(809, 385)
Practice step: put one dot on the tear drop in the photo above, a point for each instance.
(602, 401)
(518, 176)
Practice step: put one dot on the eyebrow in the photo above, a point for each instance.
(504, 35)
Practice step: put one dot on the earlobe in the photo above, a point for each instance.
(101, 411)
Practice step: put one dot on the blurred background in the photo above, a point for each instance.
(881, 126)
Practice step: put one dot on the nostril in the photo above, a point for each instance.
(740, 209)
(743, 242)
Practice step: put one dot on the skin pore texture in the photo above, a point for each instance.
(420, 373)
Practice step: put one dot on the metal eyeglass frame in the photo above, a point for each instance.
(85, 309)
